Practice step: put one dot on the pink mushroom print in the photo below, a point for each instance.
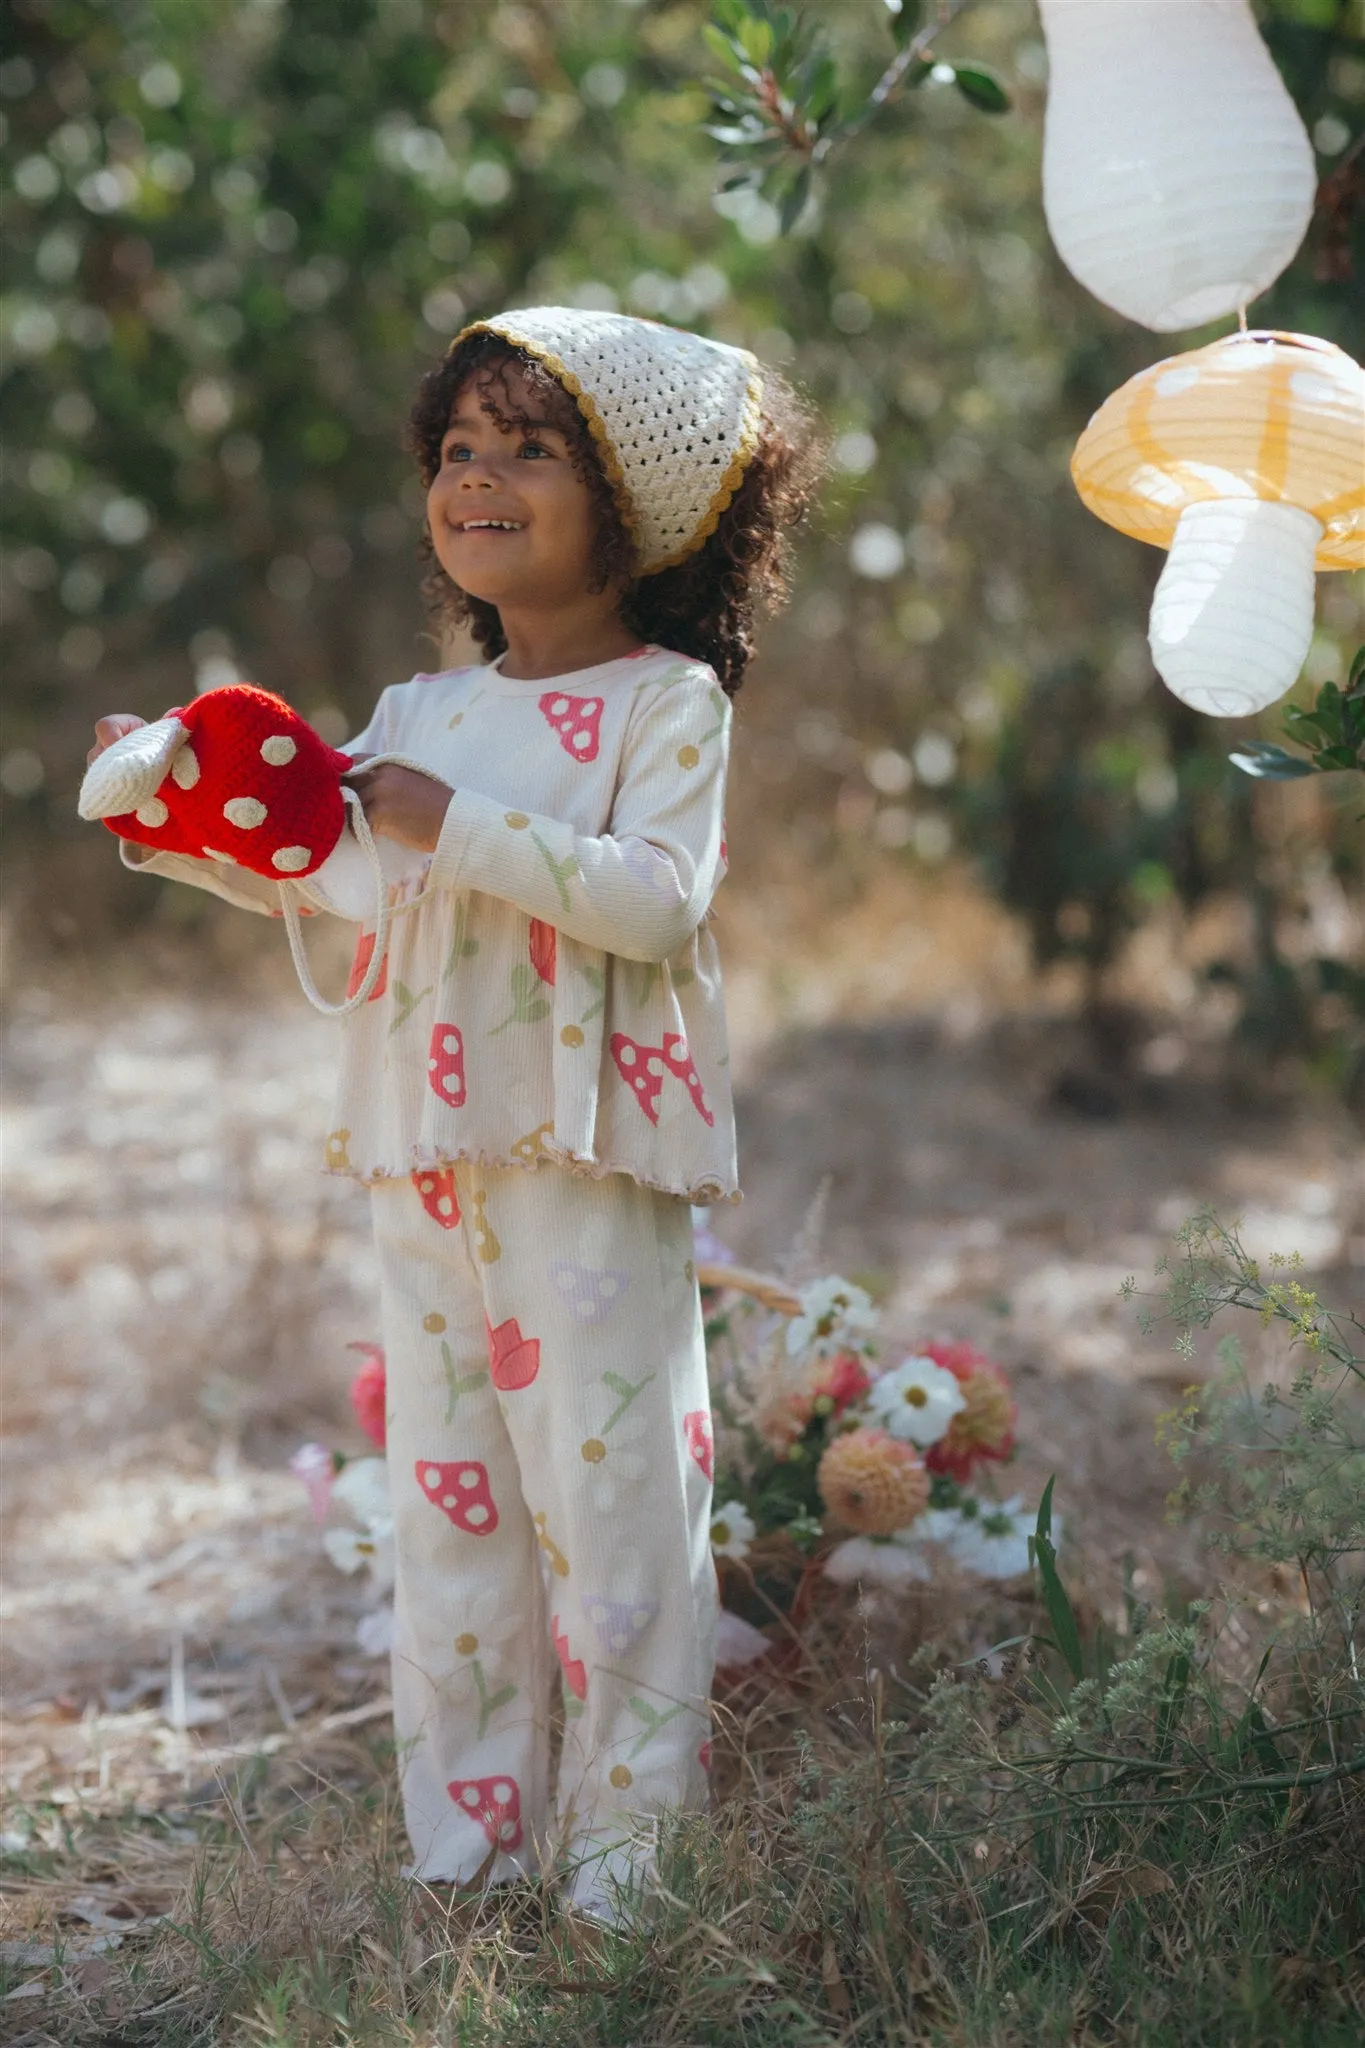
(575, 1676)
(513, 1360)
(459, 1488)
(445, 1064)
(697, 1432)
(642, 1068)
(577, 721)
(495, 1803)
(436, 1192)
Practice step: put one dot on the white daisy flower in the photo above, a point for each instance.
(732, 1530)
(616, 1463)
(915, 1401)
(835, 1316)
(486, 1622)
(351, 1550)
(994, 1542)
(863, 1560)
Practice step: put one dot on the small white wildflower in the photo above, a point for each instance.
(834, 1316)
(993, 1543)
(374, 1631)
(915, 1401)
(864, 1560)
(732, 1530)
(738, 1642)
(363, 1486)
(352, 1549)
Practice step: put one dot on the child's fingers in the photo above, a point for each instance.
(115, 727)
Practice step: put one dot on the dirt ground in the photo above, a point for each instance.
(182, 1285)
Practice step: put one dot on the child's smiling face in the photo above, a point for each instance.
(512, 519)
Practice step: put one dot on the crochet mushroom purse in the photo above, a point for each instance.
(240, 778)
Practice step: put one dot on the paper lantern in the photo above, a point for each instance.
(1247, 460)
(1177, 177)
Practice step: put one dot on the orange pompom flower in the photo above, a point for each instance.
(984, 1428)
(872, 1482)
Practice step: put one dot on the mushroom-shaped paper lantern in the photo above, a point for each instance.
(1177, 177)
(1247, 460)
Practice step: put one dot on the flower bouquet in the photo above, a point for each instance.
(833, 1467)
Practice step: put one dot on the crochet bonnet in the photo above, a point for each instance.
(674, 417)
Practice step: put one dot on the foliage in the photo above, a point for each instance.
(237, 234)
(780, 107)
(1333, 730)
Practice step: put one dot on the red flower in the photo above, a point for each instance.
(844, 1380)
(368, 1393)
(984, 1428)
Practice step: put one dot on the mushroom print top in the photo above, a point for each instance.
(552, 990)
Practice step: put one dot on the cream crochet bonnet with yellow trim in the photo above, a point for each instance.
(675, 417)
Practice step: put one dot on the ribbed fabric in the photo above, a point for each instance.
(549, 1452)
(552, 991)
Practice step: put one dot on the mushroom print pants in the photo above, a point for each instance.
(549, 1447)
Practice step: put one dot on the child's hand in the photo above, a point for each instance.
(115, 727)
(401, 804)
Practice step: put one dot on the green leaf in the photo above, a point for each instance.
(756, 39)
(721, 46)
(793, 205)
(981, 88)
(1355, 681)
(1174, 1688)
(1061, 1614)
(1270, 763)
(904, 19)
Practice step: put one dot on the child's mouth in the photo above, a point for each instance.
(489, 526)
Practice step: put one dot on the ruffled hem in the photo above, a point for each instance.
(703, 1193)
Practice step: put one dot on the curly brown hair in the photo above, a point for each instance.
(706, 606)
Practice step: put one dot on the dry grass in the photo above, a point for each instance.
(197, 1753)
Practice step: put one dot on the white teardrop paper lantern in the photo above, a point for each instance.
(1177, 177)
(1232, 617)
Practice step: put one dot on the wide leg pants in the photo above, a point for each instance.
(549, 1446)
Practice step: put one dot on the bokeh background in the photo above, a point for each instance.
(1021, 968)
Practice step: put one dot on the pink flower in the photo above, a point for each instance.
(316, 1468)
(369, 1393)
(844, 1380)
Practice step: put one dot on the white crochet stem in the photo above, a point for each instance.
(131, 771)
(375, 965)
(1233, 613)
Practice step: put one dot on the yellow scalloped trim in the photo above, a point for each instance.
(750, 426)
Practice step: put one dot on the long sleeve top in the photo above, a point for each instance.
(551, 990)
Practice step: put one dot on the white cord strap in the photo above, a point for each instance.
(293, 925)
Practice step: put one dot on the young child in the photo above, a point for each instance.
(538, 1087)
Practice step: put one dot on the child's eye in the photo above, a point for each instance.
(533, 448)
(453, 451)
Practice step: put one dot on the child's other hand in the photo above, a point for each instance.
(401, 804)
(115, 727)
